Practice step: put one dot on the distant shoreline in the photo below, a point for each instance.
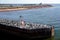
(23, 8)
(12, 9)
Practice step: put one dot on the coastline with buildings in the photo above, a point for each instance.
(49, 16)
(13, 7)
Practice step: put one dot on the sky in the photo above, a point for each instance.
(29, 1)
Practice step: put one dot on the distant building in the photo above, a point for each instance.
(40, 4)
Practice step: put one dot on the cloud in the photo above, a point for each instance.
(29, 1)
(50, 1)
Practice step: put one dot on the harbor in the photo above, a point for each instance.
(50, 16)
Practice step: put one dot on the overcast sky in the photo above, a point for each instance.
(29, 1)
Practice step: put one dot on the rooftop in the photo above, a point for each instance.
(24, 25)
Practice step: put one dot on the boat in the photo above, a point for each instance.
(26, 30)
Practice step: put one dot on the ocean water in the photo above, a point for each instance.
(49, 16)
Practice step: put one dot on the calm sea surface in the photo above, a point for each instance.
(41, 15)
